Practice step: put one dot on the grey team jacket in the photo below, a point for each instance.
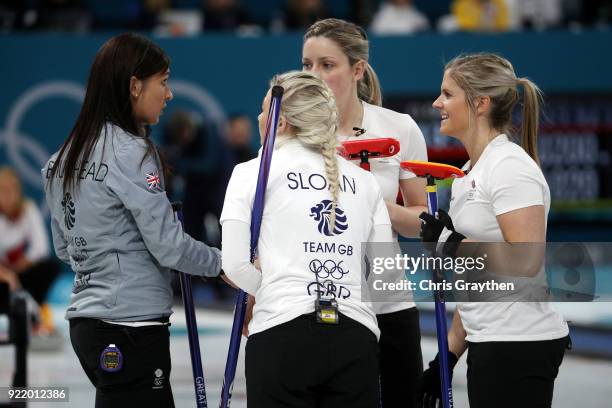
(119, 234)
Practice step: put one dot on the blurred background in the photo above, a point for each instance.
(223, 54)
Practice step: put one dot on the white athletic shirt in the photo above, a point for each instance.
(504, 179)
(293, 245)
(380, 122)
(25, 236)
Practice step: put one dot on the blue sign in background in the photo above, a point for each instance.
(43, 76)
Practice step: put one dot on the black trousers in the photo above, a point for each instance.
(401, 360)
(303, 363)
(144, 380)
(39, 277)
(514, 374)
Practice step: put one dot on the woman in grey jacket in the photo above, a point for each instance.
(112, 222)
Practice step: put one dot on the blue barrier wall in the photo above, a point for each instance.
(43, 76)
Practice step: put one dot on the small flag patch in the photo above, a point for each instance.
(153, 180)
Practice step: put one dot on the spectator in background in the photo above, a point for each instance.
(204, 163)
(59, 15)
(224, 15)
(361, 11)
(535, 14)
(398, 17)
(151, 11)
(477, 15)
(299, 15)
(239, 137)
(25, 260)
(596, 12)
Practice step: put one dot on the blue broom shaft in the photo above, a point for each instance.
(194, 343)
(440, 307)
(192, 333)
(234, 350)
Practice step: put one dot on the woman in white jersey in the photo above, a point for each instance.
(319, 209)
(338, 52)
(515, 348)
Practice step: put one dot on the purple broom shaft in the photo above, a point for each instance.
(256, 215)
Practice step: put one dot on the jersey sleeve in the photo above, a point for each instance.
(515, 184)
(412, 147)
(239, 195)
(139, 186)
(236, 243)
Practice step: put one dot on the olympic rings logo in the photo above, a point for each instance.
(328, 268)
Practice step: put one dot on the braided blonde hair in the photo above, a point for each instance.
(309, 107)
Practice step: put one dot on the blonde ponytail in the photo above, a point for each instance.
(368, 88)
(532, 98)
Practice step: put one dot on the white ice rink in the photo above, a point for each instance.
(582, 383)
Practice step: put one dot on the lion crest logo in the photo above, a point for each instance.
(69, 211)
(321, 213)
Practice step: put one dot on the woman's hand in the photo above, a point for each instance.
(405, 220)
(228, 280)
(248, 315)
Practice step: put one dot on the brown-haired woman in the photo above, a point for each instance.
(112, 222)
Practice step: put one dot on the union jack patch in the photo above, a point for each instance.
(153, 180)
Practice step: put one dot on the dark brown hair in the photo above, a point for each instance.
(107, 99)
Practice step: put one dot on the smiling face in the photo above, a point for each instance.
(149, 97)
(454, 110)
(325, 58)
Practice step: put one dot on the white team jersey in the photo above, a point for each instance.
(300, 253)
(379, 122)
(504, 179)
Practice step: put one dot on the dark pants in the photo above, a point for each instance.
(144, 380)
(401, 361)
(37, 279)
(303, 363)
(514, 374)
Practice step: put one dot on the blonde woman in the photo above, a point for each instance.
(514, 348)
(338, 52)
(25, 258)
(319, 209)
